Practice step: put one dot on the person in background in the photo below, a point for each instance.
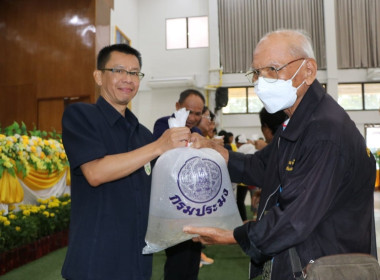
(317, 175)
(110, 156)
(205, 122)
(228, 138)
(213, 131)
(183, 260)
(223, 135)
(193, 101)
(269, 125)
(244, 147)
(207, 125)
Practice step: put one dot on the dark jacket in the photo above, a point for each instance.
(317, 179)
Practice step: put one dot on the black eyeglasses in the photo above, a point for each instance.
(269, 73)
(120, 72)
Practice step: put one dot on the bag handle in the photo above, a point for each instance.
(298, 272)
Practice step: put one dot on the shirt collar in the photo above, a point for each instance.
(112, 115)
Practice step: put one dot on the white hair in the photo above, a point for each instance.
(302, 46)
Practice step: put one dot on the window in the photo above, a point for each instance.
(242, 100)
(350, 96)
(372, 136)
(372, 96)
(359, 96)
(182, 33)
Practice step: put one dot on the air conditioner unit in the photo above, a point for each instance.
(373, 74)
(185, 81)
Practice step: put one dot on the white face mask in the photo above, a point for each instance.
(278, 95)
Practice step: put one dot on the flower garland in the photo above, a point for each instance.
(19, 152)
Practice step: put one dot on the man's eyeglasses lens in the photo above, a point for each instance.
(270, 74)
(121, 72)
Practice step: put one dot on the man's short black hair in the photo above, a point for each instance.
(272, 121)
(105, 53)
(184, 94)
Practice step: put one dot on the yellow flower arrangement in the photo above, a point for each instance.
(32, 222)
(20, 151)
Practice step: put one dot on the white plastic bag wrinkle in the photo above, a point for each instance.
(189, 187)
(179, 119)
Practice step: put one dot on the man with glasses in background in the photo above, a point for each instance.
(182, 260)
(110, 156)
(317, 176)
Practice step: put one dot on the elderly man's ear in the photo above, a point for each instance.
(311, 71)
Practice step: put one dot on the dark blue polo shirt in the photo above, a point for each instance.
(108, 222)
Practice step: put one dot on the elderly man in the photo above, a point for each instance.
(317, 176)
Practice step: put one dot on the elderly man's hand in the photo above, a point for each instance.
(210, 235)
(199, 141)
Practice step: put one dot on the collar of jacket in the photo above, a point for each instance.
(304, 112)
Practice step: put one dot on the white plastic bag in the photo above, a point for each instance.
(189, 187)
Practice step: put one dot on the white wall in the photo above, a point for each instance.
(150, 104)
(143, 21)
(125, 16)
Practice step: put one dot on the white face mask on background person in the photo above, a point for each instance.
(278, 95)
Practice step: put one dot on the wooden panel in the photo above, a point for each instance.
(50, 111)
(66, 30)
(50, 114)
(71, 100)
(18, 103)
(50, 46)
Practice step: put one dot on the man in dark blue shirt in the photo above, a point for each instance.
(183, 260)
(190, 99)
(110, 156)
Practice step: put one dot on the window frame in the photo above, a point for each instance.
(187, 33)
(362, 86)
(246, 102)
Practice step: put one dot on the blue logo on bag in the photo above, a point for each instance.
(200, 180)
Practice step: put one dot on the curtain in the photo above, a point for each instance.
(358, 33)
(243, 22)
